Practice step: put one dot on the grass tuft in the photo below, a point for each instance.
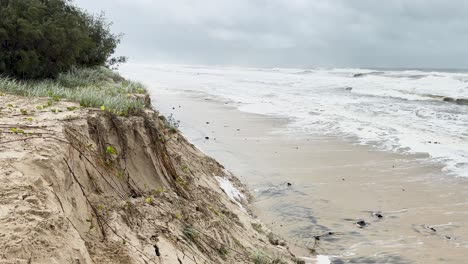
(190, 233)
(258, 257)
(172, 124)
(257, 227)
(94, 88)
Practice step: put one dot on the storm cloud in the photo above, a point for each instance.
(292, 33)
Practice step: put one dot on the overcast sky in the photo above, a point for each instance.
(292, 33)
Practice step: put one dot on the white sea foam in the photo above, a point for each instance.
(320, 259)
(230, 190)
(394, 110)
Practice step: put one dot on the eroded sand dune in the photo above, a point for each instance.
(83, 186)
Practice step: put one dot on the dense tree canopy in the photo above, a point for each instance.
(41, 38)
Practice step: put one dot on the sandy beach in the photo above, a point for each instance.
(310, 185)
(237, 132)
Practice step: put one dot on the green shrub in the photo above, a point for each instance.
(42, 38)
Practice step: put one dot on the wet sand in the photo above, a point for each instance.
(334, 183)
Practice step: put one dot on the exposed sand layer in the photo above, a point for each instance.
(412, 212)
(83, 186)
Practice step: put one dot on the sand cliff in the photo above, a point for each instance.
(84, 186)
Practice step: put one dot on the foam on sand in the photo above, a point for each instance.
(321, 259)
(230, 190)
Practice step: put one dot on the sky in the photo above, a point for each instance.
(291, 33)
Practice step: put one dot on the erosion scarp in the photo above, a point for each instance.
(86, 186)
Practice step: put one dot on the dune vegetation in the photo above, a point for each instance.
(97, 87)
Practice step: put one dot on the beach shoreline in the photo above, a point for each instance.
(333, 184)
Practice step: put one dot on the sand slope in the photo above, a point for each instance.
(83, 186)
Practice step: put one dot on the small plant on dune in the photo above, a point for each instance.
(17, 131)
(110, 150)
(148, 199)
(181, 182)
(24, 111)
(29, 119)
(257, 227)
(141, 90)
(172, 124)
(53, 97)
(127, 205)
(223, 251)
(159, 191)
(71, 108)
(190, 233)
(120, 174)
(91, 225)
(313, 251)
(259, 257)
(53, 110)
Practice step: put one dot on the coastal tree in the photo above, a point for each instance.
(42, 38)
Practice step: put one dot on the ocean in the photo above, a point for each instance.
(400, 110)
